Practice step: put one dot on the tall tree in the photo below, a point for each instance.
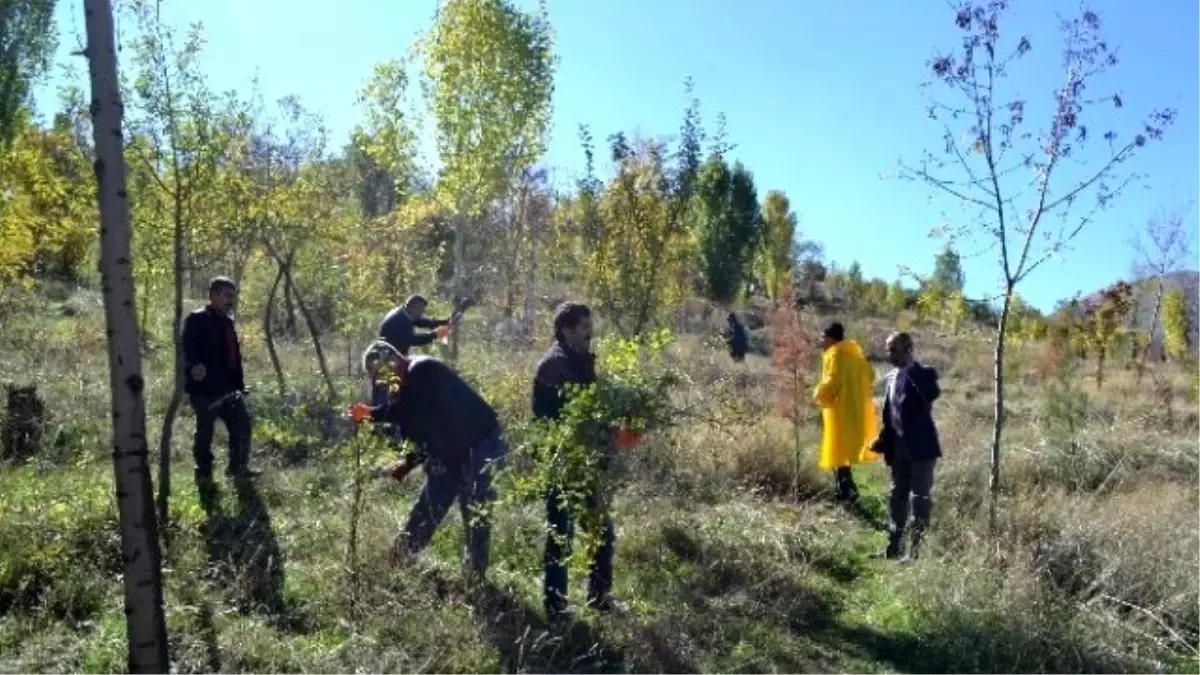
(490, 70)
(948, 273)
(1177, 324)
(1021, 184)
(173, 113)
(634, 269)
(145, 623)
(1161, 247)
(727, 223)
(27, 43)
(777, 253)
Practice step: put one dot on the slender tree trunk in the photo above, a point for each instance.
(268, 315)
(460, 270)
(166, 438)
(145, 624)
(531, 277)
(285, 265)
(998, 420)
(1158, 298)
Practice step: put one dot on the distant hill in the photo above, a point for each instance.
(1144, 296)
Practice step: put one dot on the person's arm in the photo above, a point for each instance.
(191, 342)
(547, 388)
(826, 392)
(925, 379)
(421, 339)
(426, 322)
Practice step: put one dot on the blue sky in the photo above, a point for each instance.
(821, 100)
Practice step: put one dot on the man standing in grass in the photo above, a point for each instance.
(570, 361)
(213, 380)
(847, 410)
(909, 442)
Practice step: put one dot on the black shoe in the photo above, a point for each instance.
(895, 547)
(607, 603)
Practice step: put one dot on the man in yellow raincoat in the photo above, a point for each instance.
(847, 409)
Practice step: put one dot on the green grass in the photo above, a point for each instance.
(722, 570)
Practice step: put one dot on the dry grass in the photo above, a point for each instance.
(1095, 568)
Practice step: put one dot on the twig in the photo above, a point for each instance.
(1157, 619)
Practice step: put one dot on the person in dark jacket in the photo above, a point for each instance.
(455, 435)
(737, 340)
(908, 441)
(398, 326)
(570, 361)
(213, 380)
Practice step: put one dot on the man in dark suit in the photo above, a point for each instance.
(212, 362)
(909, 443)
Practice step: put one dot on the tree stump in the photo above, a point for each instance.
(23, 423)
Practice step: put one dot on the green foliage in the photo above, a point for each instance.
(1176, 324)
(635, 269)
(896, 300)
(47, 206)
(574, 454)
(490, 70)
(948, 273)
(388, 138)
(727, 223)
(777, 253)
(27, 44)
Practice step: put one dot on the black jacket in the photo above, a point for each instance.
(439, 412)
(210, 339)
(909, 415)
(737, 340)
(559, 366)
(397, 328)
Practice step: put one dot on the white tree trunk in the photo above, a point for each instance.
(145, 625)
(531, 277)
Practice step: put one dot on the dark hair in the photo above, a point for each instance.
(568, 315)
(835, 331)
(220, 283)
(414, 299)
(902, 339)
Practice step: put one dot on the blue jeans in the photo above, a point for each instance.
(471, 485)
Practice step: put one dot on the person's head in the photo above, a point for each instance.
(573, 325)
(732, 318)
(222, 294)
(899, 349)
(380, 355)
(415, 306)
(833, 334)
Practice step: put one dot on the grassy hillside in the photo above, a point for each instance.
(1093, 570)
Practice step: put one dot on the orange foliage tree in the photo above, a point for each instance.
(792, 361)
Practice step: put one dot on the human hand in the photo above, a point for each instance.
(441, 332)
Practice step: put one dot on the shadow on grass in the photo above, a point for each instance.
(974, 648)
(244, 554)
(527, 644)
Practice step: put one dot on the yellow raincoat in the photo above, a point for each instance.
(847, 409)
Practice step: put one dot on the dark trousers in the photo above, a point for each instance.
(471, 485)
(232, 411)
(558, 550)
(912, 479)
(843, 481)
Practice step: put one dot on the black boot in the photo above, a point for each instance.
(895, 547)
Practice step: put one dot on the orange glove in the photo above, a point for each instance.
(628, 439)
(360, 412)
